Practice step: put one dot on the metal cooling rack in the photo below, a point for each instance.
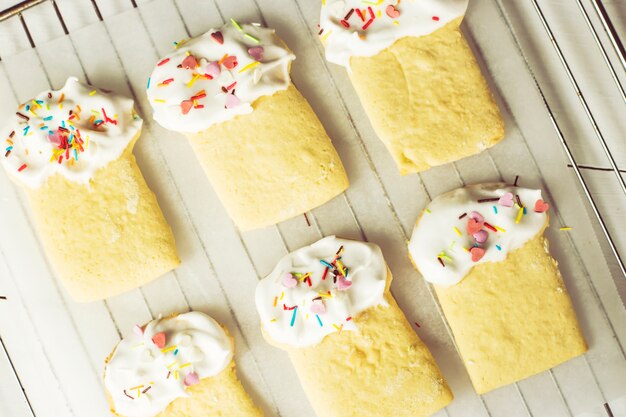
(618, 52)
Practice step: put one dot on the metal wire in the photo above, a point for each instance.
(616, 42)
(602, 50)
(581, 97)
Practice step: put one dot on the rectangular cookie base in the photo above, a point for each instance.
(383, 369)
(512, 319)
(428, 100)
(107, 237)
(220, 395)
(272, 164)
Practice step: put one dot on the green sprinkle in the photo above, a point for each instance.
(247, 35)
(235, 24)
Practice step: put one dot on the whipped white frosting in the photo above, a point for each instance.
(216, 76)
(153, 367)
(301, 311)
(443, 234)
(359, 28)
(73, 132)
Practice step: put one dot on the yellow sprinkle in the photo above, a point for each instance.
(169, 349)
(193, 80)
(61, 98)
(325, 294)
(93, 93)
(184, 365)
(458, 232)
(466, 250)
(282, 295)
(427, 211)
(35, 103)
(137, 387)
(379, 13)
(307, 316)
(33, 112)
(499, 229)
(61, 106)
(249, 66)
(326, 35)
(395, 22)
(275, 301)
(273, 321)
(565, 228)
(520, 213)
(176, 375)
(159, 100)
(172, 364)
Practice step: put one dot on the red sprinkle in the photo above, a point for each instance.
(165, 61)
(349, 318)
(230, 87)
(345, 24)
(22, 168)
(360, 14)
(288, 308)
(436, 18)
(490, 227)
(371, 12)
(369, 22)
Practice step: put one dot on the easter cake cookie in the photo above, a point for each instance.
(174, 367)
(416, 77)
(263, 149)
(100, 225)
(483, 248)
(329, 306)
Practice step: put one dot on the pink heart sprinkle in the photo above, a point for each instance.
(506, 200)
(474, 226)
(138, 330)
(541, 206)
(289, 280)
(477, 216)
(477, 253)
(392, 12)
(213, 69)
(232, 101)
(481, 236)
(190, 62)
(186, 105)
(191, 379)
(318, 307)
(343, 284)
(218, 37)
(230, 62)
(159, 340)
(256, 52)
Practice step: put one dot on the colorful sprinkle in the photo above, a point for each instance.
(293, 317)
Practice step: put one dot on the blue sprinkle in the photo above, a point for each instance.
(495, 209)
(293, 318)
(39, 101)
(345, 270)
(27, 107)
(43, 128)
(524, 211)
(148, 86)
(75, 154)
(176, 352)
(47, 118)
(319, 320)
(9, 148)
(26, 129)
(323, 262)
(498, 247)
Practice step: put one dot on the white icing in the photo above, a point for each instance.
(195, 343)
(367, 272)
(270, 75)
(34, 146)
(435, 233)
(416, 18)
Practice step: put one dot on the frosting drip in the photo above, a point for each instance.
(475, 224)
(317, 290)
(217, 76)
(153, 367)
(72, 132)
(358, 28)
